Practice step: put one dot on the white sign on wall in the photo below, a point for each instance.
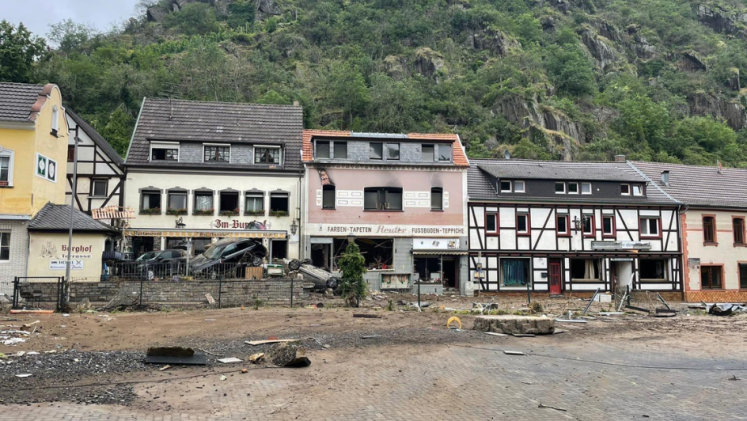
(46, 168)
(435, 244)
(62, 264)
(389, 230)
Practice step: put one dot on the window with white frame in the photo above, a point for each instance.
(588, 228)
(506, 186)
(573, 188)
(99, 188)
(562, 225)
(279, 203)
(328, 196)
(6, 167)
(4, 246)
(267, 155)
(515, 272)
(491, 223)
(559, 188)
(653, 269)
(649, 227)
(522, 223)
(204, 203)
(625, 189)
(637, 190)
(437, 199)
(608, 225)
(164, 151)
(217, 153)
(519, 186)
(585, 188)
(254, 203)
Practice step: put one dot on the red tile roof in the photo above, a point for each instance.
(460, 157)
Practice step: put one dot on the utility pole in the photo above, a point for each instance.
(73, 197)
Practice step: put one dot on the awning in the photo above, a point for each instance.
(439, 252)
(205, 233)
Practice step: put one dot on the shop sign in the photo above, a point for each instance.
(279, 235)
(436, 244)
(375, 230)
(62, 264)
(620, 245)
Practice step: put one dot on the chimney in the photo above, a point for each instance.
(296, 103)
(619, 158)
(665, 177)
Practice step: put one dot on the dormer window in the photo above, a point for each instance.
(506, 186)
(625, 189)
(573, 188)
(217, 153)
(444, 152)
(559, 188)
(392, 151)
(267, 154)
(637, 190)
(519, 187)
(164, 151)
(585, 188)
(326, 149)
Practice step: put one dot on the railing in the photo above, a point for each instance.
(175, 271)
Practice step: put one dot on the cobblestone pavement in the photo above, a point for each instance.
(584, 381)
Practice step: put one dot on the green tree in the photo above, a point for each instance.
(348, 91)
(70, 36)
(19, 50)
(643, 122)
(571, 70)
(353, 266)
(194, 19)
(117, 130)
(241, 14)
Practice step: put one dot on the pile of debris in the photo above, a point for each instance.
(13, 334)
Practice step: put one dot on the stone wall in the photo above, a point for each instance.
(232, 293)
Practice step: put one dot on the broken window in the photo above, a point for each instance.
(382, 198)
(229, 202)
(585, 270)
(710, 277)
(392, 151)
(279, 204)
(437, 199)
(322, 149)
(428, 269)
(377, 252)
(376, 150)
(514, 272)
(217, 154)
(163, 151)
(444, 152)
(328, 197)
(653, 269)
(267, 155)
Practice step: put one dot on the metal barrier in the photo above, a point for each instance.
(173, 271)
(28, 291)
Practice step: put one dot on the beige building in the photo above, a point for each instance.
(48, 244)
(202, 171)
(713, 213)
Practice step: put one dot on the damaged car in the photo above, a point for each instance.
(229, 256)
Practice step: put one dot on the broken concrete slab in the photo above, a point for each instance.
(229, 360)
(511, 325)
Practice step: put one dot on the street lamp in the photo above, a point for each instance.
(180, 223)
(579, 223)
(294, 227)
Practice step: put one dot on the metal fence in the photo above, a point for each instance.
(35, 291)
(175, 270)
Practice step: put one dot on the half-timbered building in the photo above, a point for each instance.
(568, 227)
(101, 175)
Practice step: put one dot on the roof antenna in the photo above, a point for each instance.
(506, 154)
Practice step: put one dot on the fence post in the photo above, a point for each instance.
(141, 291)
(60, 293)
(15, 292)
(220, 290)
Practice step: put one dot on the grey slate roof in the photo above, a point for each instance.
(221, 122)
(481, 187)
(16, 100)
(96, 137)
(700, 186)
(560, 170)
(57, 218)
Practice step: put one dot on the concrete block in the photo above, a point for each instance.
(509, 324)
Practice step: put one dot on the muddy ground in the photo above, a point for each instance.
(96, 358)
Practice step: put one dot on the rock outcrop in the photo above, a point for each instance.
(600, 48)
(692, 63)
(722, 20)
(702, 103)
(427, 62)
(494, 41)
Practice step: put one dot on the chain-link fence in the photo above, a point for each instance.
(118, 292)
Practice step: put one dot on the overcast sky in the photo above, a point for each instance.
(37, 15)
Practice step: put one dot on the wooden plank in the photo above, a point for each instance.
(270, 341)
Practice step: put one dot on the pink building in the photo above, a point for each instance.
(400, 197)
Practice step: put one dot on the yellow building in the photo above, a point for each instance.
(33, 143)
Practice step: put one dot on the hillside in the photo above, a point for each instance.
(552, 79)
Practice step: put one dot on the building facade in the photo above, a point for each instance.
(101, 176)
(33, 141)
(399, 197)
(202, 171)
(565, 227)
(713, 224)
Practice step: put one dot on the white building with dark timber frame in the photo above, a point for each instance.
(570, 227)
(101, 175)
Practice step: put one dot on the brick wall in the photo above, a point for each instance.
(232, 293)
(716, 296)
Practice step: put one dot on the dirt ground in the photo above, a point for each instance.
(102, 353)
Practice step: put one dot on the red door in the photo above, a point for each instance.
(555, 278)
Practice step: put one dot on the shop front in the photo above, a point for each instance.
(398, 257)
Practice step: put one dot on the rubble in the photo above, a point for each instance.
(288, 355)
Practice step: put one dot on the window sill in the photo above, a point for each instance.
(437, 210)
(254, 214)
(710, 244)
(524, 234)
(563, 234)
(740, 245)
(655, 237)
(6, 187)
(151, 213)
(383, 210)
(653, 281)
(586, 281)
(328, 209)
(96, 197)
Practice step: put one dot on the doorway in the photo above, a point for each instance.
(320, 255)
(556, 277)
(451, 272)
(278, 249)
(622, 273)
(141, 245)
